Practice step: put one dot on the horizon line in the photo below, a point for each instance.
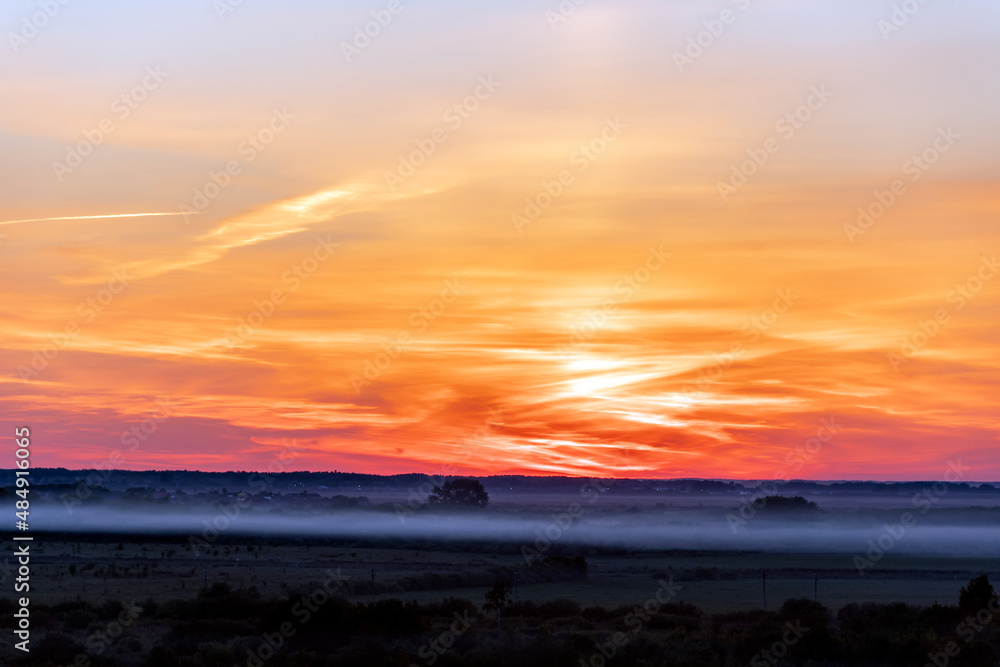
(527, 476)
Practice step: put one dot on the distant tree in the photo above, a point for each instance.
(976, 595)
(462, 491)
(497, 598)
(789, 504)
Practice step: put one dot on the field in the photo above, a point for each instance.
(214, 576)
(127, 567)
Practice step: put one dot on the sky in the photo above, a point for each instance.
(733, 239)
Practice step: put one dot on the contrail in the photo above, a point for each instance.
(91, 217)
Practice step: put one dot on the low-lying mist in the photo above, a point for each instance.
(938, 532)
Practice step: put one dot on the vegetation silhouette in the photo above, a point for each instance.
(497, 598)
(976, 595)
(794, 505)
(223, 626)
(464, 491)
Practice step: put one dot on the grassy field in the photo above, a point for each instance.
(129, 569)
(724, 596)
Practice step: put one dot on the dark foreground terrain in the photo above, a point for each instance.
(222, 627)
(244, 569)
(121, 600)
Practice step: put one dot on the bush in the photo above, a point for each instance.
(110, 609)
(217, 655)
(451, 606)
(160, 656)
(811, 614)
(391, 617)
(559, 609)
(597, 614)
(941, 618)
(79, 619)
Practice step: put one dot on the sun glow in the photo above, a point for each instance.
(400, 287)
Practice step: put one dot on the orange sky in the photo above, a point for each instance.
(386, 283)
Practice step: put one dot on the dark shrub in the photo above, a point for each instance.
(392, 617)
(525, 608)
(559, 609)
(79, 619)
(110, 609)
(811, 614)
(941, 618)
(597, 614)
(451, 606)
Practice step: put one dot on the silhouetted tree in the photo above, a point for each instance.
(497, 598)
(976, 595)
(788, 504)
(462, 491)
